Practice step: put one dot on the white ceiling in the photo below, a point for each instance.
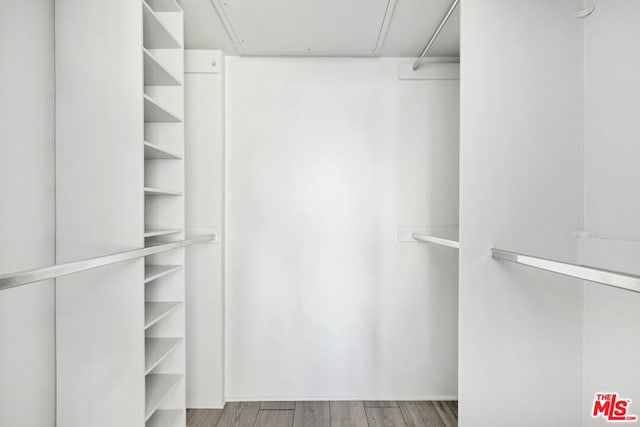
(410, 26)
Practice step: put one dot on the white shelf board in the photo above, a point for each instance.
(155, 113)
(156, 35)
(157, 349)
(165, 418)
(153, 272)
(158, 388)
(156, 311)
(155, 74)
(152, 191)
(152, 151)
(163, 232)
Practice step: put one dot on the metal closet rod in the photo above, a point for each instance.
(426, 238)
(616, 279)
(436, 33)
(51, 272)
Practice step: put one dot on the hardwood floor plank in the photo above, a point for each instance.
(420, 414)
(312, 414)
(239, 414)
(348, 414)
(277, 405)
(274, 418)
(449, 418)
(453, 404)
(380, 404)
(385, 417)
(203, 417)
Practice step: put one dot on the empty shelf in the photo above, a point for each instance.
(157, 349)
(158, 388)
(165, 418)
(153, 272)
(422, 237)
(154, 113)
(155, 74)
(616, 279)
(152, 151)
(156, 35)
(151, 191)
(163, 232)
(156, 311)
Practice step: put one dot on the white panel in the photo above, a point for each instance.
(522, 150)
(326, 157)
(99, 177)
(289, 27)
(27, 212)
(612, 205)
(203, 61)
(204, 210)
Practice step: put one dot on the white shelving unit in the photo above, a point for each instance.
(164, 280)
(153, 152)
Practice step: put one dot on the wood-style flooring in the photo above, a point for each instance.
(328, 414)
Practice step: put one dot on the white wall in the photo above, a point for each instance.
(325, 159)
(522, 182)
(27, 212)
(612, 205)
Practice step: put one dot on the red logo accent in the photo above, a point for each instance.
(612, 408)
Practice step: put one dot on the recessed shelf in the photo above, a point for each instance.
(161, 232)
(157, 349)
(165, 418)
(152, 191)
(155, 113)
(164, 5)
(156, 311)
(158, 388)
(153, 152)
(155, 74)
(153, 272)
(156, 34)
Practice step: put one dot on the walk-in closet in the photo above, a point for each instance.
(362, 213)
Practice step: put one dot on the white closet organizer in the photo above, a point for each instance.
(164, 280)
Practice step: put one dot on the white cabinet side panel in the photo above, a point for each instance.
(204, 157)
(27, 212)
(99, 175)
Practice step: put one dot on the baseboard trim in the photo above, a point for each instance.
(205, 405)
(338, 398)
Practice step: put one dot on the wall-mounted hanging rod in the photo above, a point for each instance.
(422, 237)
(436, 33)
(51, 272)
(617, 279)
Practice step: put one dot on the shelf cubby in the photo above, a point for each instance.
(156, 74)
(156, 311)
(165, 418)
(156, 34)
(157, 349)
(159, 387)
(153, 272)
(153, 152)
(155, 113)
